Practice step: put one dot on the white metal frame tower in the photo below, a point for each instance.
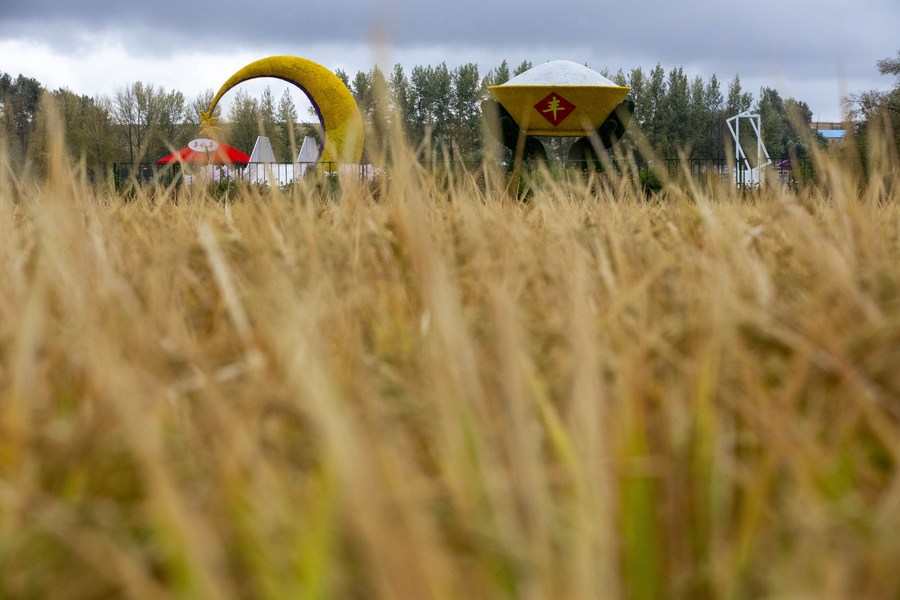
(744, 173)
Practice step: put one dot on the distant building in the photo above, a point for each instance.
(832, 131)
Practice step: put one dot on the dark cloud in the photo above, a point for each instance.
(797, 41)
(685, 29)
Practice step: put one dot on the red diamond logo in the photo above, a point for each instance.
(554, 108)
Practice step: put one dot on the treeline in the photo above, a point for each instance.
(139, 122)
(438, 108)
(435, 107)
(878, 110)
(677, 113)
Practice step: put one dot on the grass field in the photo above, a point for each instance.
(425, 389)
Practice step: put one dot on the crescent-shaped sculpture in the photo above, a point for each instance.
(330, 98)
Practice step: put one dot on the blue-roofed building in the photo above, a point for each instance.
(831, 131)
(833, 134)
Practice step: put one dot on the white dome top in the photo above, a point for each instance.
(560, 72)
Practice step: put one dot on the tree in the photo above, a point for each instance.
(785, 124)
(173, 115)
(652, 107)
(286, 126)
(148, 119)
(431, 91)
(133, 123)
(383, 110)
(497, 76)
(268, 123)
(797, 119)
(878, 109)
(343, 76)
(381, 95)
(890, 66)
(770, 107)
(243, 121)
(372, 93)
(19, 105)
(420, 116)
(200, 104)
(401, 97)
(674, 114)
(698, 119)
(442, 98)
(523, 66)
(465, 109)
(637, 81)
(361, 88)
(738, 101)
(714, 101)
(88, 128)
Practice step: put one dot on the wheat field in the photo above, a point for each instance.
(426, 388)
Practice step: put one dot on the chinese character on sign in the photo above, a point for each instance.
(554, 108)
(203, 145)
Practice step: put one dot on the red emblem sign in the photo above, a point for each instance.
(554, 108)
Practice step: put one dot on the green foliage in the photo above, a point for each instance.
(650, 107)
(711, 125)
(637, 81)
(876, 110)
(677, 114)
(19, 102)
(465, 109)
(343, 76)
(401, 94)
(200, 104)
(674, 114)
(224, 188)
(498, 76)
(431, 118)
(149, 120)
(434, 106)
(523, 66)
(372, 92)
(243, 118)
(738, 100)
(650, 183)
(288, 135)
(87, 127)
(785, 125)
(267, 125)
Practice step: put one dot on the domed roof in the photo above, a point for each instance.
(560, 72)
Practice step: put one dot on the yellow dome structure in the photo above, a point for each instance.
(559, 98)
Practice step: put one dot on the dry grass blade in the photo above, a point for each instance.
(420, 387)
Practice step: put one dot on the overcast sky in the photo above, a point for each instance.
(815, 51)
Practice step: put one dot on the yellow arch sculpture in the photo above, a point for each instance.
(329, 96)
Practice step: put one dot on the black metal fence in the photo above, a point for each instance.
(793, 171)
(270, 174)
(800, 169)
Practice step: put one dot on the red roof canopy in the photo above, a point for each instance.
(221, 154)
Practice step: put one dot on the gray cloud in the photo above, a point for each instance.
(691, 27)
(797, 41)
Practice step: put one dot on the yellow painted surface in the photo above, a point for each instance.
(593, 104)
(340, 115)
